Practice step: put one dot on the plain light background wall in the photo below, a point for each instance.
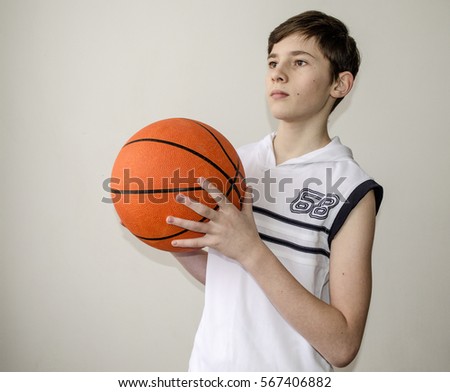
(77, 78)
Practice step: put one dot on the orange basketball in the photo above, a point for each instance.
(162, 160)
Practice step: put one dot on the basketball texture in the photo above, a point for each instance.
(162, 160)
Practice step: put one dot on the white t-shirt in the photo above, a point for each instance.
(299, 206)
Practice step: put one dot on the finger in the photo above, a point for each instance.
(213, 191)
(199, 227)
(189, 243)
(199, 208)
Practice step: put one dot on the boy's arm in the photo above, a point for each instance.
(335, 329)
(194, 262)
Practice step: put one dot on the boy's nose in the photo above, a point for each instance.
(278, 75)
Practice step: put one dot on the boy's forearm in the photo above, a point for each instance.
(194, 262)
(324, 326)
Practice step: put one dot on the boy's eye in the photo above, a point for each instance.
(272, 64)
(300, 63)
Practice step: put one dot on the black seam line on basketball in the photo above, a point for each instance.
(218, 142)
(171, 235)
(161, 238)
(233, 185)
(236, 175)
(290, 221)
(291, 245)
(215, 165)
(154, 191)
(172, 190)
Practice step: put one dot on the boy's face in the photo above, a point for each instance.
(299, 81)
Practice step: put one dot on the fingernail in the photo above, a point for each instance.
(169, 219)
(180, 198)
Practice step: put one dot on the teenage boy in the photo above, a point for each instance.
(288, 278)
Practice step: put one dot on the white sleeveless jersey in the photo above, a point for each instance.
(299, 206)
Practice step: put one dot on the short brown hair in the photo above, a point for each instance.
(331, 35)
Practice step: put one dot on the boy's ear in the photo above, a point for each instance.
(343, 85)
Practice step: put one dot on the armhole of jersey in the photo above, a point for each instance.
(355, 197)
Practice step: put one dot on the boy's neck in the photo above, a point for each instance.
(293, 140)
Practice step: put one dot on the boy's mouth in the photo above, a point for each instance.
(278, 94)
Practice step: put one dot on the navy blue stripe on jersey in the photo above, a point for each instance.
(290, 221)
(355, 197)
(300, 248)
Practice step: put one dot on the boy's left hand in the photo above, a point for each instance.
(229, 230)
